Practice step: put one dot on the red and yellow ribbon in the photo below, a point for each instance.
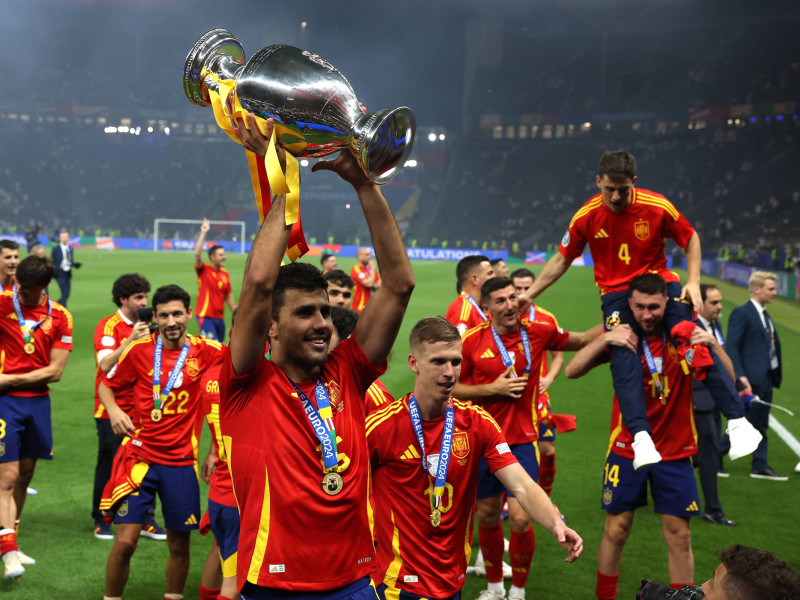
(266, 175)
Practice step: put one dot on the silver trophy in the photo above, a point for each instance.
(314, 107)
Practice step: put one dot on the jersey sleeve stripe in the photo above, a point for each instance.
(474, 330)
(477, 409)
(131, 346)
(465, 308)
(383, 415)
(666, 205)
(593, 204)
(111, 324)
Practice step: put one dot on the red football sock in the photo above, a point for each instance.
(606, 588)
(520, 549)
(208, 593)
(8, 541)
(677, 586)
(492, 544)
(547, 472)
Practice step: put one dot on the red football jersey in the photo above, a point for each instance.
(412, 554)
(361, 293)
(109, 335)
(212, 288)
(463, 314)
(377, 397)
(674, 432)
(483, 364)
(173, 439)
(293, 534)
(221, 486)
(54, 333)
(9, 287)
(627, 244)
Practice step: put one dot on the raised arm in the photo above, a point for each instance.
(588, 357)
(379, 323)
(254, 315)
(201, 241)
(694, 254)
(540, 508)
(554, 269)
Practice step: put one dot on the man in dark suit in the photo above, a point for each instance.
(755, 349)
(63, 257)
(707, 414)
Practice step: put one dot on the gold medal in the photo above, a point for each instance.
(155, 415)
(663, 400)
(436, 517)
(29, 348)
(332, 483)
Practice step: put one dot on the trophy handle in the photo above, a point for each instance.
(383, 142)
(218, 51)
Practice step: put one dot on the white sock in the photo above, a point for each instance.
(516, 591)
(496, 587)
(172, 597)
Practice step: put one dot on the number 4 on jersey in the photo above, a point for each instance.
(623, 254)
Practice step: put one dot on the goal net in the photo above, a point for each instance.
(181, 234)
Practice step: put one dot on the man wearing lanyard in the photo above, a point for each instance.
(502, 359)
(667, 381)
(523, 279)
(293, 424)
(35, 340)
(64, 259)
(755, 349)
(158, 454)
(707, 416)
(465, 311)
(430, 446)
(9, 259)
(625, 228)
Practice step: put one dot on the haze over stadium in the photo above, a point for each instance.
(515, 103)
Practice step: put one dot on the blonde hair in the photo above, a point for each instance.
(759, 278)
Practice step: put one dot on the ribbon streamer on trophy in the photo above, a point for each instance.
(315, 110)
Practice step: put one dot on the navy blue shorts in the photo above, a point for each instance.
(25, 428)
(225, 527)
(392, 593)
(358, 590)
(672, 486)
(213, 329)
(490, 486)
(179, 491)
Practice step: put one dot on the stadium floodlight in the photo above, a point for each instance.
(195, 223)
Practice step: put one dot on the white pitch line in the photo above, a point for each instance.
(785, 435)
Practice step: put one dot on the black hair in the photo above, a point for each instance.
(127, 285)
(617, 164)
(339, 277)
(295, 276)
(649, 284)
(492, 285)
(523, 272)
(168, 293)
(344, 320)
(35, 270)
(213, 249)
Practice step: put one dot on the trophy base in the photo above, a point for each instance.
(214, 45)
(385, 139)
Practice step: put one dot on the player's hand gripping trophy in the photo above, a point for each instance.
(316, 112)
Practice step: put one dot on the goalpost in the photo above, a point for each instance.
(197, 222)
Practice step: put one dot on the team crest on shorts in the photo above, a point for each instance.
(607, 495)
(192, 368)
(123, 509)
(641, 229)
(613, 320)
(461, 445)
(2, 449)
(334, 392)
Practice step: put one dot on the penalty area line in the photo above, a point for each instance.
(785, 435)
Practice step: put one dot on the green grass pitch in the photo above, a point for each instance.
(57, 527)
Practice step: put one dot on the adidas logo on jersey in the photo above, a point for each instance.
(692, 507)
(411, 454)
(601, 234)
(192, 520)
(277, 568)
(488, 354)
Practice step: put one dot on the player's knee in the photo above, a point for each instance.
(25, 476)
(8, 478)
(125, 547)
(488, 517)
(519, 523)
(178, 545)
(617, 532)
(678, 539)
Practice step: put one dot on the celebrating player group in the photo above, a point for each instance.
(322, 485)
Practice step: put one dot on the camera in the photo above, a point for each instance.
(651, 590)
(146, 315)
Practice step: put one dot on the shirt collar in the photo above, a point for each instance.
(759, 308)
(706, 323)
(122, 316)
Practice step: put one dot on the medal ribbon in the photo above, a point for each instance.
(532, 313)
(266, 175)
(444, 453)
(322, 423)
(159, 395)
(27, 332)
(651, 362)
(472, 301)
(526, 347)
